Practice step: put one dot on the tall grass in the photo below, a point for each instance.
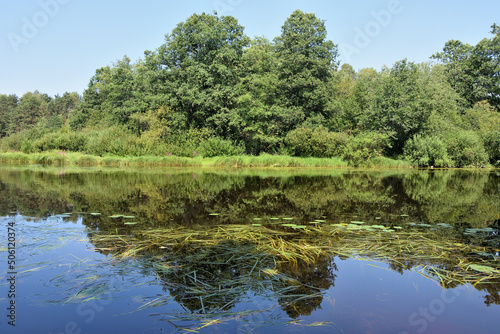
(262, 161)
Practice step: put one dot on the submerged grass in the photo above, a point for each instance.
(445, 261)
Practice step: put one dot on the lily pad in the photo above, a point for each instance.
(130, 223)
(256, 224)
(287, 218)
(483, 269)
(128, 217)
(257, 219)
(357, 222)
(214, 214)
(95, 214)
(379, 227)
(115, 216)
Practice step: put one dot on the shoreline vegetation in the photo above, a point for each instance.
(238, 161)
(212, 96)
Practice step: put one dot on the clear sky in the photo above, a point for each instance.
(55, 46)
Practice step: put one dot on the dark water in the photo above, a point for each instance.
(73, 273)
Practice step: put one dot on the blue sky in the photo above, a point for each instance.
(56, 45)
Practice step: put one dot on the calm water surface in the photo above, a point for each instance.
(224, 251)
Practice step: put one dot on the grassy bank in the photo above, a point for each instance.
(265, 160)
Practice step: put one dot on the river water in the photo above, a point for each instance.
(103, 250)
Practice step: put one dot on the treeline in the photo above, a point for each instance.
(211, 90)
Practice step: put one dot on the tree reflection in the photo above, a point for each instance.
(196, 276)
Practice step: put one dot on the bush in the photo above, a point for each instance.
(466, 148)
(215, 146)
(427, 151)
(65, 141)
(492, 146)
(316, 142)
(365, 146)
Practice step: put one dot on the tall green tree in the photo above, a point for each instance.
(31, 107)
(201, 60)
(474, 71)
(8, 104)
(404, 99)
(306, 61)
(263, 121)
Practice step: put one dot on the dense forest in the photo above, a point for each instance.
(211, 90)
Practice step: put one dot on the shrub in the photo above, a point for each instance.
(66, 141)
(492, 146)
(427, 151)
(466, 148)
(316, 142)
(215, 146)
(366, 145)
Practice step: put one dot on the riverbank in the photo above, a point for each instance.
(264, 160)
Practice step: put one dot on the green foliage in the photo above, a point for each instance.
(306, 60)
(427, 151)
(473, 70)
(316, 142)
(215, 146)
(365, 146)
(63, 141)
(8, 104)
(404, 99)
(201, 59)
(466, 149)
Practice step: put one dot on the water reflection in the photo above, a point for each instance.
(465, 198)
(278, 236)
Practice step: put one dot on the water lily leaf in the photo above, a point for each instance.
(288, 225)
(130, 223)
(357, 222)
(128, 217)
(256, 224)
(214, 214)
(483, 269)
(299, 226)
(95, 214)
(287, 218)
(115, 216)
(404, 215)
(257, 219)
(320, 220)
